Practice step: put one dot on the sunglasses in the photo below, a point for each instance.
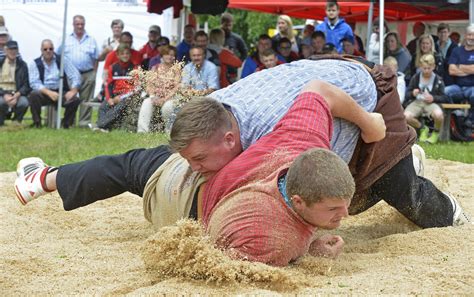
(48, 49)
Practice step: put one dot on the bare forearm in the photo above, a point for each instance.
(455, 70)
(468, 69)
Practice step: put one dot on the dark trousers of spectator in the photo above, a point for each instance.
(111, 116)
(83, 183)
(460, 94)
(37, 100)
(416, 197)
(18, 110)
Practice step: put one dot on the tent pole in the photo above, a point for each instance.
(61, 70)
(369, 22)
(381, 30)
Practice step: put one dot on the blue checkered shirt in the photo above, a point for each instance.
(200, 79)
(83, 54)
(260, 100)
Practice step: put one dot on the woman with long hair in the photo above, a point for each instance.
(394, 48)
(285, 29)
(425, 46)
(373, 49)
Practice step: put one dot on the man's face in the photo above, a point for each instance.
(200, 41)
(325, 214)
(285, 49)
(153, 36)
(443, 35)
(124, 55)
(469, 38)
(426, 69)
(227, 26)
(117, 30)
(197, 56)
(332, 12)
(47, 50)
(418, 29)
(79, 26)
(188, 34)
(426, 46)
(318, 44)
(270, 61)
(209, 156)
(348, 47)
(263, 45)
(11, 53)
(127, 40)
(3, 39)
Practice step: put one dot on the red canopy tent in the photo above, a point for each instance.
(357, 11)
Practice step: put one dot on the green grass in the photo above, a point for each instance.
(58, 147)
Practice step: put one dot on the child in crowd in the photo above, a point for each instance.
(269, 60)
(401, 85)
(426, 89)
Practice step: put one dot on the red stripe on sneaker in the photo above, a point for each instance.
(19, 196)
(34, 175)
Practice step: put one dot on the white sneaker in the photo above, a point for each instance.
(28, 184)
(419, 159)
(459, 217)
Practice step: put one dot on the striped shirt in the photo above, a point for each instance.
(51, 75)
(260, 100)
(82, 53)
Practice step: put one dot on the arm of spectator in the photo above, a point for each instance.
(411, 91)
(228, 58)
(329, 246)
(213, 79)
(25, 88)
(249, 67)
(34, 77)
(73, 75)
(344, 106)
(456, 70)
(468, 69)
(242, 49)
(438, 93)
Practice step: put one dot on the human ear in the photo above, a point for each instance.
(229, 139)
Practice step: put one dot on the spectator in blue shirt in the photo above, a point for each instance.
(335, 28)
(200, 74)
(81, 49)
(45, 79)
(185, 45)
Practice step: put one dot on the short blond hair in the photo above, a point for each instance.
(203, 118)
(390, 61)
(319, 173)
(428, 59)
(217, 36)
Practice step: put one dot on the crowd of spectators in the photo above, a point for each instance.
(431, 69)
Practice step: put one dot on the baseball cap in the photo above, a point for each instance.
(3, 30)
(11, 44)
(154, 28)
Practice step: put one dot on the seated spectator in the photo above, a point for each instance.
(200, 74)
(461, 68)
(446, 47)
(425, 90)
(348, 47)
(307, 32)
(419, 29)
(269, 60)
(14, 84)
(285, 29)
(394, 48)
(318, 40)
(373, 48)
(112, 57)
(111, 43)
(401, 85)
(150, 49)
(168, 58)
(202, 40)
(185, 45)
(254, 61)
(358, 44)
(45, 79)
(306, 49)
(119, 89)
(329, 48)
(225, 56)
(4, 37)
(284, 49)
(162, 41)
(425, 46)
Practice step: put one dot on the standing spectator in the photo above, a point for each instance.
(373, 48)
(45, 79)
(185, 45)
(81, 49)
(200, 74)
(425, 90)
(119, 89)
(461, 67)
(394, 48)
(455, 38)
(14, 84)
(348, 47)
(254, 61)
(419, 29)
(150, 49)
(285, 50)
(392, 63)
(425, 46)
(335, 28)
(4, 37)
(233, 42)
(226, 57)
(285, 30)
(269, 60)
(111, 43)
(318, 40)
(446, 47)
(202, 40)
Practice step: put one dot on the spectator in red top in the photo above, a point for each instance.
(226, 57)
(269, 59)
(348, 47)
(112, 57)
(150, 49)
